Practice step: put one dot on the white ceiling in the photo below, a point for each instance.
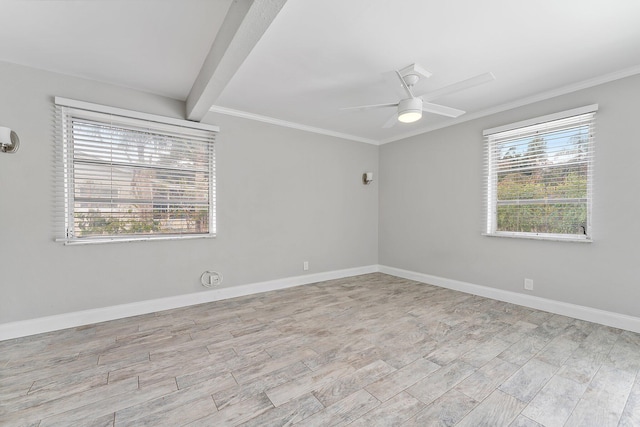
(319, 55)
(152, 45)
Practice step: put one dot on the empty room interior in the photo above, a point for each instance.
(319, 212)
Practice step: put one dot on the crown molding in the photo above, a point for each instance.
(574, 87)
(292, 125)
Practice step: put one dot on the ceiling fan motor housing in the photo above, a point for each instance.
(410, 110)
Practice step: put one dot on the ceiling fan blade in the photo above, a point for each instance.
(459, 86)
(404, 84)
(369, 107)
(441, 109)
(391, 122)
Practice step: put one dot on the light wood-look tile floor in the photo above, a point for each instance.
(364, 351)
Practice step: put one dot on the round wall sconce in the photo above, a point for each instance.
(9, 141)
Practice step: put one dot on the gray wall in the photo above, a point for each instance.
(431, 209)
(284, 196)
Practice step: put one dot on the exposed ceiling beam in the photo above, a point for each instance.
(244, 25)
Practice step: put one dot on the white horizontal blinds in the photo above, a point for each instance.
(212, 187)
(61, 182)
(538, 177)
(129, 177)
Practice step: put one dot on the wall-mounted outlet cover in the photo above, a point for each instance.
(210, 279)
(528, 284)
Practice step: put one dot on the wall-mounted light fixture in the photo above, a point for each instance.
(9, 141)
(367, 178)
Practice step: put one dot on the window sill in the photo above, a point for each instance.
(97, 241)
(550, 237)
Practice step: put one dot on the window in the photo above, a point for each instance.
(538, 177)
(124, 175)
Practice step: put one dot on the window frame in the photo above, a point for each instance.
(66, 110)
(490, 183)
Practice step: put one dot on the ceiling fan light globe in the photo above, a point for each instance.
(410, 110)
(409, 116)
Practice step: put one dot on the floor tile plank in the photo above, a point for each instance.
(288, 414)
(441, 381)
(553, 405)
(446, 411)
(481, 383)
(344, 411)
(108, 403)
(235, 414)
(499, 409)
(313, 381)
(528, 380)
(337, 390)
(393, 412)
(392, 384)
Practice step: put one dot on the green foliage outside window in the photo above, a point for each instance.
(536, 194)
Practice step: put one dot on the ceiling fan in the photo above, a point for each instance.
(409, 110)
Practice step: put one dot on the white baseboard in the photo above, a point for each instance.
(607, 318)
(80, 318)
(86, 317)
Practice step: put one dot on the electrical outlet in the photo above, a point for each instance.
(305, 265)
(528, 284)
(215, 279)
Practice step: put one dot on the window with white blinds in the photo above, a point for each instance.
(538, 177)
(124, 175)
